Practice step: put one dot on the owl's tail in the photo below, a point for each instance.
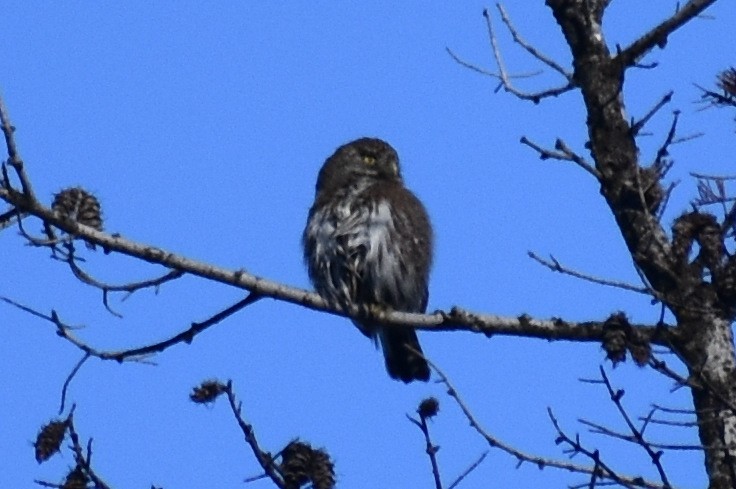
(401, 362)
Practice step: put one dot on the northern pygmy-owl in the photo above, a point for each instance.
(368, 243)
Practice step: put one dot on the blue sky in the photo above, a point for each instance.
(201, 127)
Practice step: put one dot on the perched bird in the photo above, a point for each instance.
(368, 243)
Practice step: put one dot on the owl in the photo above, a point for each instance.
(368, 243)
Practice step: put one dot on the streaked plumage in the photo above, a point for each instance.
(368, 242)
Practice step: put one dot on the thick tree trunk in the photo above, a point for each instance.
(689, 287)
(707, 348)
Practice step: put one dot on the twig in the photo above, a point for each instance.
(136, 354)
(602, 430)
(638, 125)
(69, 379)
(10, 217)
(264, 458)
(431, 448)
(596, 470)
(574, 157)
(663, 150)
(674, 410)
(661, 367)
(471, 66)
(658, 35)
(717, 99)
(555, 266)
(82, 460)
(600, 467)
(680, 424)
(522, 457)
(49, 242)
(130, 288)
(255, 478)
(14, 158)
(505, 78)
(531, 49)
(183, 337)
(637, 435)
(668, 422)
(485, 72)
(467, 471)
(562, 153)
(47, 484)
(712, 177)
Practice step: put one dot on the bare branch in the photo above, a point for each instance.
(562, 153)
(471, 66)
(14, 158)
(674, 410)
(637, 434)
(9, 218)
(661, 367)
(130, 288)
(681, 424)
(183, 337)
(456, 319)
(431, 449)
(531, 49)
(506, 79)
(663, 150)
(467, 471)
(668, 422)
(602, 430)
(83, 460)
(637, 126)
(600, 468)
(540, 462)
(555, 266)
(485, 72)
(69, 378)
(264, 458)
(658, 35)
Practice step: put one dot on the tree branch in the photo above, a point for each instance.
(430, 448)
(265, 460)
(504, 76)
(563, 153)
(658, 35)
(540, 462)
(530, 48)
(555, 266)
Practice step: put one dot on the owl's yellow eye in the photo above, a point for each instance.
(368, 160)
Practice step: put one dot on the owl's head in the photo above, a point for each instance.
(370, 158)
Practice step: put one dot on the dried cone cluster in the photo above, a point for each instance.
(76, 479)
(79, 205)
(207, 392)
(727, 82)
(428, 408)
(619, 336)
(49, 439)
(300, 464)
